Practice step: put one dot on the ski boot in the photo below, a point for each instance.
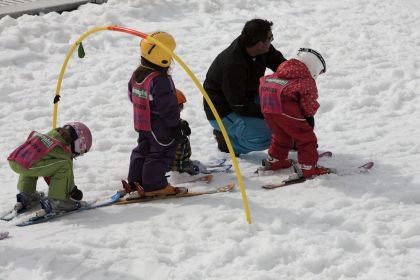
(276, 164)
(191, 169)
(129, 188)
(135, 190)
(51, 205)
(311, 171)
(168, 190)
(26, 200)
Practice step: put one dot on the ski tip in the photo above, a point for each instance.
(216, 163)
(229, 187)
(367, 165)
(208, 178)
(9, 216)
(4, 234)
(293, 179)
(116, 196)
(228, 167)
(325, 154)
(271, 186)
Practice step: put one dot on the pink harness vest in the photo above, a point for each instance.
(141, 102)
(35, 147)
(270, 91)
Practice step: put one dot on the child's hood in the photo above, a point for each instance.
(293, 69)
(55, 133)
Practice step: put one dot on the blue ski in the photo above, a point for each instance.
(215, 163)
(37, 220)
(221, 168)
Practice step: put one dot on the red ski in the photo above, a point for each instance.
(296, 179)
(260, 170)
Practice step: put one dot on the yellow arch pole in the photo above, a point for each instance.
(219, 122)
(64, 66)
(190, 74)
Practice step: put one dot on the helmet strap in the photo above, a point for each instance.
(147, 67)
(73, 150)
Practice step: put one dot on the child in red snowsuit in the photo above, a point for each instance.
(289, 102)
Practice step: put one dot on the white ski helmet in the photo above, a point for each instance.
(313, 60)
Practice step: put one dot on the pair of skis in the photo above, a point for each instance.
(54, 215)
(213, 167)
(295, 178)
(118, 200)
(227, 188)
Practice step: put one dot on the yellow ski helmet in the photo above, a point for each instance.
(156, 54)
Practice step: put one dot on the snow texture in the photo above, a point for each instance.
(364, 226)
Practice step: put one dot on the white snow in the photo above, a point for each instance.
(333, 227)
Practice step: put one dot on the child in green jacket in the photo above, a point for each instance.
(50, 156)
(182, 162)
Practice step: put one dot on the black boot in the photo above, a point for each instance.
(221, 143)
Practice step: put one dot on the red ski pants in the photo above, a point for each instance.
(288, 132)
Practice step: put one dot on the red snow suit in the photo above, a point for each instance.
(298, 99)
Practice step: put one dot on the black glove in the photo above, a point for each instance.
(177, 132)
(185, 128)
(76, 194)
(311, 121)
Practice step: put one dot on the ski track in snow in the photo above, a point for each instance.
(334, 227)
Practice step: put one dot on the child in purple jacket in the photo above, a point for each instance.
(156, 119)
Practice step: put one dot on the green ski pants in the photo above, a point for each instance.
(59, 170)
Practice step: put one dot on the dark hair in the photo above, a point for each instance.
(67, 134)
(254, 31)
(146, 67)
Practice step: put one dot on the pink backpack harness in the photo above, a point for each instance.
(271, 88)
(35, 147)
(141, 102)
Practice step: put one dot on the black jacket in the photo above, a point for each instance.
(233, 79)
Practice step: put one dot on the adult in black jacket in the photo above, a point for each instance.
(232, 84)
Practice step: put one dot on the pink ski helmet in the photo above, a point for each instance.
(83, 142)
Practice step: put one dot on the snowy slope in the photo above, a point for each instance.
(348, 227)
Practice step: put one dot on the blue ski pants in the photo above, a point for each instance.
(245, 133)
